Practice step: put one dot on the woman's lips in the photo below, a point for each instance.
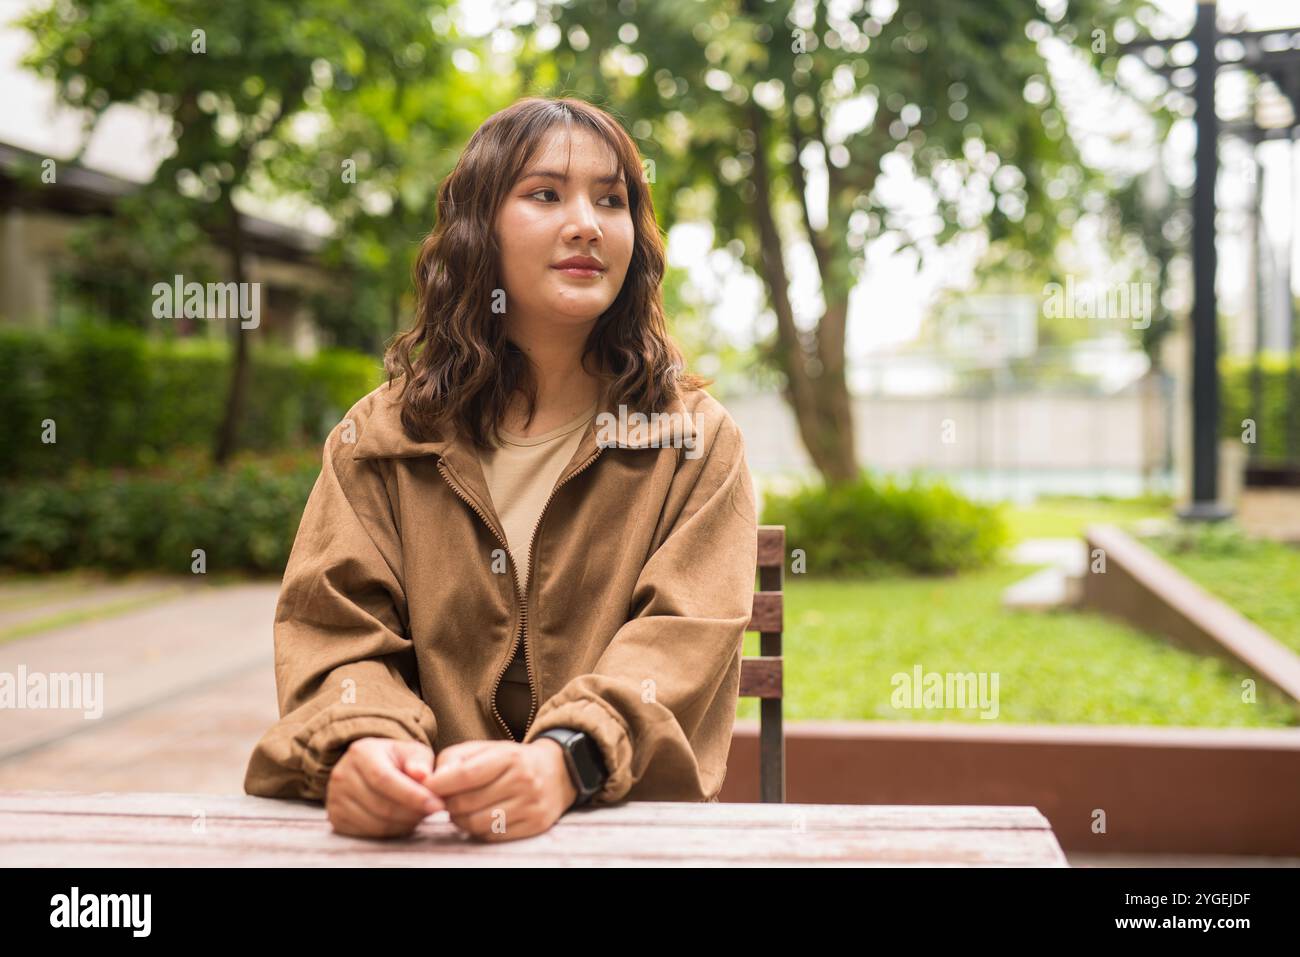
(577, 272)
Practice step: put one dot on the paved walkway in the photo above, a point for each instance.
(187, 687)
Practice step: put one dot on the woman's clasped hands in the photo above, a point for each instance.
(492, 790)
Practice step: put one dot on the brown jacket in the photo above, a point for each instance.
(399, 610)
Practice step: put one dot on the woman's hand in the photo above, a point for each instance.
(503, 790)
(374, 789)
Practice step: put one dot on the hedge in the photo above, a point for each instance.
(244, 516)
(1278, 390)
(120, 399)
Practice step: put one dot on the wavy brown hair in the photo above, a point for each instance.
(459, 367)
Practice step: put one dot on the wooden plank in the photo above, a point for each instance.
(171, 857)
(771, 546)
(177, 804)
(44, 828)
(766, 611)
(771, 751)
(656, 813)
(760, 677)
(61, 839)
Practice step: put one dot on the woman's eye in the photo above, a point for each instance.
(619, 204)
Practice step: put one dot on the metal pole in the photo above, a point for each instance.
(1205, 346)
(1257, 240)
(1292, 467)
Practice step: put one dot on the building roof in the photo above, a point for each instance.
(81, 191)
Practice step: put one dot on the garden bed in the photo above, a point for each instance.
(1259, 578)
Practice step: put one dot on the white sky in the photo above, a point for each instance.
(893, 295)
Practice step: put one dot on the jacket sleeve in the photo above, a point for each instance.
(344, 665)
(661, 701)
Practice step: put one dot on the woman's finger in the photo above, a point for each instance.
(471, 772)
(386, 810)
(500, 820)
(385, 780)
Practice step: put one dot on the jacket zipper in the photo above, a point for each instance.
(522, 630)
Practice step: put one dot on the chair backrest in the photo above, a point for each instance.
(761, 675)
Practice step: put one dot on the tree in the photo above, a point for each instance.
(741, 104)
(227, 76)
(373, 156)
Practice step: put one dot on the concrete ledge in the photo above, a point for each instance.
(1044, 590)
(1146, 591)
(1162, 790)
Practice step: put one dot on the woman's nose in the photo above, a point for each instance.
(582, 223)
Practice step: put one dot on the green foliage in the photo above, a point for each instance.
(949, 86)
(1279, 390)
(869, 528)
(231, 80)
(244, 516)
(1067, 516)
(118, 398)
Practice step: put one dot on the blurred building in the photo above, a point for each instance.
(42, 283)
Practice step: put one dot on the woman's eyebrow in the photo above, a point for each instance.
(563, 178)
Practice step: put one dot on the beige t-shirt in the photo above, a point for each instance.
(521, 473)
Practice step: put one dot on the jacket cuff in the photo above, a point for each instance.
(323, 745)
(606, 727)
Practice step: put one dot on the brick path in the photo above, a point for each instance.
(188, 688)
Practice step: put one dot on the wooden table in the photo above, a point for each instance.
(72, 829)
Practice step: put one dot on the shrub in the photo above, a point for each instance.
(868, 528)
(120, 399)
(244, 516)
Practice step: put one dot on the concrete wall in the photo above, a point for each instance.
(1009, 431)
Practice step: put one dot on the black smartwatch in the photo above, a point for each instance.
(583, 759)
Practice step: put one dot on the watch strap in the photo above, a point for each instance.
(583, 759)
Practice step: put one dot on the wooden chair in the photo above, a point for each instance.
(761, 674)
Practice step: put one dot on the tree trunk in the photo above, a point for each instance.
(228, 435)
(816, 387)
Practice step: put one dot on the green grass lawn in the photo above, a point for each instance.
(1067, 517)
(845, 640)
(1258, 578)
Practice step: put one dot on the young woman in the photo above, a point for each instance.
(530, 563)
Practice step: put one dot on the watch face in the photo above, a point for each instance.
(586, 756)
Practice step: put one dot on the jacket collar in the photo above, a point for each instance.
(383, 436)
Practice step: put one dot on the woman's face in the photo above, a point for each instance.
(547, 219)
